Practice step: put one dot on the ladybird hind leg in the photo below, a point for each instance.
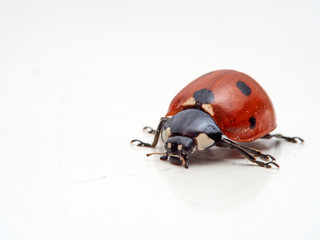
(280, 136)
(249, 153)
(156, 136)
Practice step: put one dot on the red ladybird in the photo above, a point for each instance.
(217, 109)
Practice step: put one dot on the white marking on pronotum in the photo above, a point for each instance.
(166, 134)
(203, 141)
(180, 147)
(169, 145)
(189, 102)
(208, 108)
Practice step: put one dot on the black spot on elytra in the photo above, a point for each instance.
(244, 88)
(203, 96)
(252, 121)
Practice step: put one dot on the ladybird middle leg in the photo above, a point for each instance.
(156, 137)
(247, 153)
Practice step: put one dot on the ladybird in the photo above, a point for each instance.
(218, 109)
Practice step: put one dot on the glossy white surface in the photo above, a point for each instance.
(78, 81)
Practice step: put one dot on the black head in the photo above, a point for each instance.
(178, 148)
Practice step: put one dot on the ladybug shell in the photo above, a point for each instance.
(238, 104)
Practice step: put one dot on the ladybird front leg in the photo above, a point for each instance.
(149, 130)
(140, 143)
(156, 137)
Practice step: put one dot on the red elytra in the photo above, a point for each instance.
(237, 98)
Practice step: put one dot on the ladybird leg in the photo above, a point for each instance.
(289, 139)
(259, 154)
(149, 130)
(244, 152)
(156, 137)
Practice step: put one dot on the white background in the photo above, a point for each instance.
(79, 80)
